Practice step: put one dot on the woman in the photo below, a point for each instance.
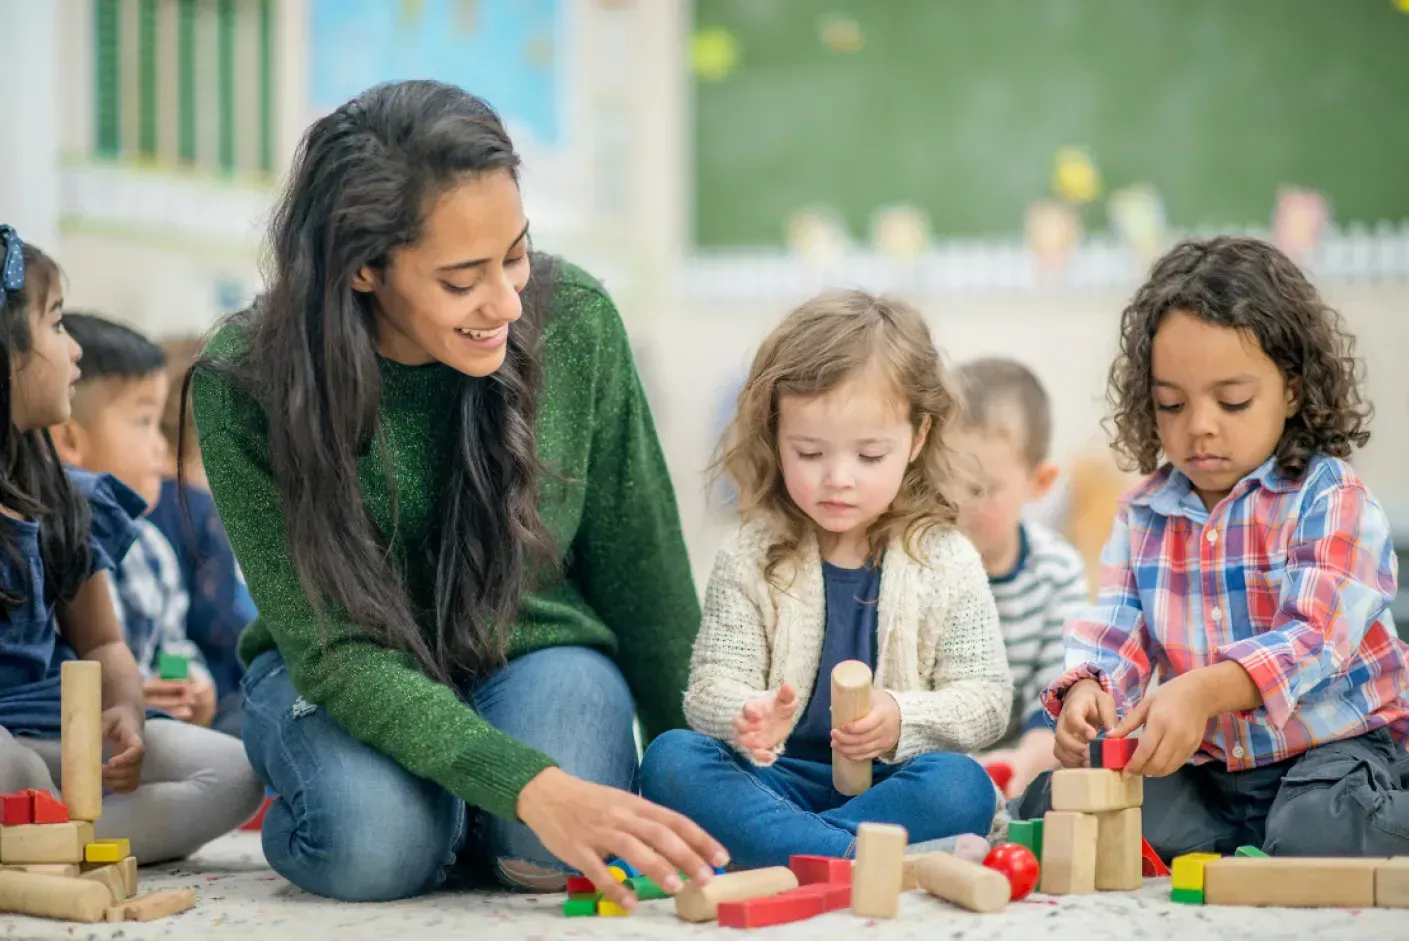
(368, 431)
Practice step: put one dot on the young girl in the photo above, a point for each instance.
(1253, 569)
(172, 786)
(847, 550)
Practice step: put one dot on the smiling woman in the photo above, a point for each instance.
(443, 625)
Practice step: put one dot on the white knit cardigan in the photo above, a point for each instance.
(941, 652)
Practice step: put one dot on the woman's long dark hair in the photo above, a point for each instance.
(34, 484)
(360, 186)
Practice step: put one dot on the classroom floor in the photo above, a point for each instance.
(240, 898)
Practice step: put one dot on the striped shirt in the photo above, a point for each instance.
(1045, 590)
(1291, 579)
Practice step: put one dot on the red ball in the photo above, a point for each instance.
(1018, 866)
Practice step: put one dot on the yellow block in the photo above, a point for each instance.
(107, 851)
(610, 909)
(617, 872)
(1188, 870)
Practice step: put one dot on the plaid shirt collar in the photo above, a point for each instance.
(1170, 493)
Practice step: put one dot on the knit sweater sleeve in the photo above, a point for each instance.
(377, 695)
(730, 662)
(970, 693)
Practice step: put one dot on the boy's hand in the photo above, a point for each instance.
(122, 730)
(175, 697)
(1175, 716)
(874, 734)
(203, 702)
(1086, 709)
(765, 721)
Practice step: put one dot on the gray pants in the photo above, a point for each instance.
(1346, 798)
(196, 785)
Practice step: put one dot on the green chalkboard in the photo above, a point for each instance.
(959, 106)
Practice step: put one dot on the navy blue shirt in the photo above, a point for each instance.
(852, 596)
(221, 605)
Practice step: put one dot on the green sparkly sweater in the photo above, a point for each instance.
(626, 588)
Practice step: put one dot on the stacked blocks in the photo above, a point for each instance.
(1188, 878)
(1091, 837)
(1250, 877)
(584, 899)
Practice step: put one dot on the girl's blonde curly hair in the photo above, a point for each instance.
(818, 347)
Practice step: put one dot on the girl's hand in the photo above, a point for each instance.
(174, 697)
(122, 730)
(874, 734)
(1175, 716)
(583, 824)
(765, 721)
(1086, 709)
(1034, 755)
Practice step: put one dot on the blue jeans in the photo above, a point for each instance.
(350, 823)
(764, 815)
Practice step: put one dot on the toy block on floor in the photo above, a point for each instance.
(153, 905)
(701, 902)
(645, 889)
(128, 868)
(1116, 752)
(16, 810)
(814, 869)
(617, 873)
(1187, 896)
(578, 885)
(1291, 882)
(48, 809)
(28, 893)
(1119, 866)
(107, 851)
(630, 870)
(1152, 867)
(1068, 853)
(1027, 833)
(1392, 883)
(880, 870)
(110, 876)
(960, 882)
(606, 908)
(798, 904)
(1089, 790)
(172, 666)
(580, 907)
(1251, 852)
(45, 842)
(1188, 870)
(68, 870)
(81, 738)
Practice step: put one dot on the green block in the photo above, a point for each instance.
(172, 666)
(1252, 851)
(645, 889)
(580, 906)
(1027, 833)
(1186, 896)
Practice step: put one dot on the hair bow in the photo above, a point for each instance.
(12, 266)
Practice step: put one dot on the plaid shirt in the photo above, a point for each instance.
(151, 603)
(1291, 579)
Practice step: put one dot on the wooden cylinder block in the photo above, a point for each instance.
(701, 902)
(28, 893)
(966, 884)
(851, 699)
(82, 743)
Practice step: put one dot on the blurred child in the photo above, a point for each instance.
(1253, 568)
(115, 429)
(220, 603)
(173, 786)
(841, 455)
(1038, 579)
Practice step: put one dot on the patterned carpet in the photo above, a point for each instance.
(240, 898)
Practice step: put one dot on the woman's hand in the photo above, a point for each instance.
(583, 823)
(1086, 709)
(765, 721)
(1175, 716)
(874, 734)
(122, 730)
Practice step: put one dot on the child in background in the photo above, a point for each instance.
(1038, 579)
(220, 603)
(1253, 569)
(841, 455)
(114, 429)
(173, 786)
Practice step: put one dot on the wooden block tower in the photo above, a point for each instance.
(1091, 837)
(54, 868)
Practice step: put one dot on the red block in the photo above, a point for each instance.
(16, 809)
(1001, 772)
(811, 870)
(1151, 866)
(48, 809)
(579, 884)
(1116, 752)
(801, 903)
(257, 821)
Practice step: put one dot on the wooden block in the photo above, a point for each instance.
(851, 699)
(49, 810)
(16, 810)
(80, 716)
(804, 902)
(909, 881)
(153, 905)
(966, 884)
(1089, 790)
(67, 870)
(1292, 882)
(701, 902)
(880, 866)
(110, 876)
(107, 851)
(1392, 883)
(813, 869)
(1119, 865)
(1027, 833)
(1152, 866)
(1068, 853)
(1187, 896)
(1095, 754)
(28, 893)
(45, 842)
(1188, 870)
(580, 907)
(128, 868)
(1116, 752)
(579, 884)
